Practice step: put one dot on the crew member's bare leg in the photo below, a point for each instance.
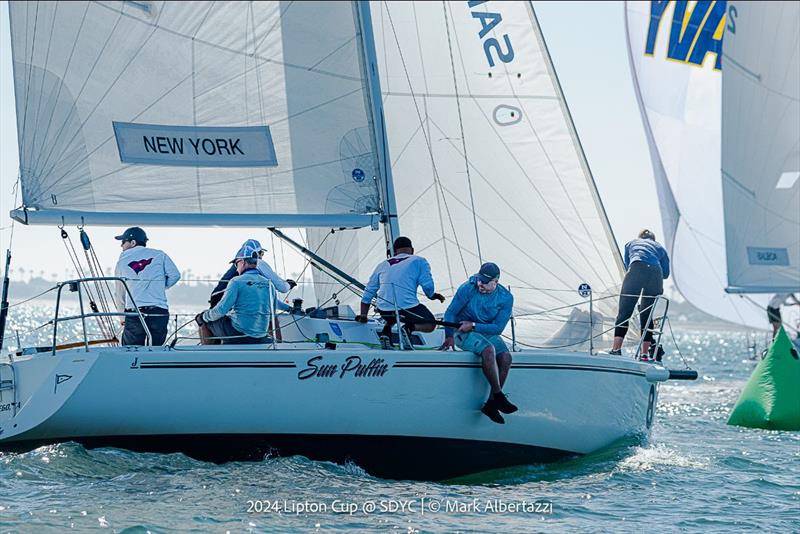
(503, 365)
(490, 369)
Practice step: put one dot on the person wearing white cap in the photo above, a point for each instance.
(243, 313)
(148, 273)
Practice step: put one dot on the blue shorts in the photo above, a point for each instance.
(477, 343)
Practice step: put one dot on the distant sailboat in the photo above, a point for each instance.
(675, 50)
(272, 114)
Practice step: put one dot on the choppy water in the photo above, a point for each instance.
(695, 474)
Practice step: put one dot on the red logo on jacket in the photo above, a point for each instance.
(138, 266)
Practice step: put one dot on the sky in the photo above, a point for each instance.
(587, 43)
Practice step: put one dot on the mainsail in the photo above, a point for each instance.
(194, 113)
(675, 50)
(486, 162)
(761, 147)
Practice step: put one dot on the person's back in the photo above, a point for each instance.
(397, 280)
(647, 251)
(148, 272)
(247, 302)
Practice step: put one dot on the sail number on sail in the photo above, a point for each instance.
(488, 23)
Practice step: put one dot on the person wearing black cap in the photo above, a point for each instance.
(148, 272)
(483, 309)
(394, 286)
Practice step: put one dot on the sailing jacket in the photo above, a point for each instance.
(399, 277)
(247, 301)
(489, 311)
(649, 252)
(148, 272)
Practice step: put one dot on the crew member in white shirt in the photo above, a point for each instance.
(148, 273)
(394, 285)
(774, 309)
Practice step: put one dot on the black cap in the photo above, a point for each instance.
(402, 242)
(133, 233)
(489, 271)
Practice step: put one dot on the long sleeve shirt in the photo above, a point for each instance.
(489, 311)
(149, 272)
(397, 279)
(279, 283)
(648, 251)
(247, 301)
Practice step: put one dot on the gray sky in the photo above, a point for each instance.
(587, 42)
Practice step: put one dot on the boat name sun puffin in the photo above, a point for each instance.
(352, 366)
(488, 23)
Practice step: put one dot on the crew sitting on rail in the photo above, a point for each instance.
(243, 314)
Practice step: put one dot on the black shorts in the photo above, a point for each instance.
(774, 314)
(418, 314)
(223, 329)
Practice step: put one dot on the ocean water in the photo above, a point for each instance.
(694, 474)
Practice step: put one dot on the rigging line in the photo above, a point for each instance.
(513, 244)
(436, 177)
(111, 86)
(517, 213)
(205, 18)
(76, 98)
(230, 50)
(44, 70)
(30, 73)
(335, 50)
(461, 127)
(63, 75)
(513, 156)
(194, 118)
(427, 125)
(269, 32)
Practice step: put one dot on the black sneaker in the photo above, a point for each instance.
(490, 410)
(617, 352)
(502, 404)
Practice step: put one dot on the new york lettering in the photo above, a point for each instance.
(210, 146)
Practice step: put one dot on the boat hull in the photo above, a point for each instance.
(397, 414)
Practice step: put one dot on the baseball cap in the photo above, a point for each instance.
(248, 251)
(489, 271)
(134, 232)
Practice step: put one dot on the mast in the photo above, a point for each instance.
(385, 183)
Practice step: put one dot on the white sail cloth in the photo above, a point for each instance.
(761, 147)
(170, 76)
(486, 162)
(674, 50)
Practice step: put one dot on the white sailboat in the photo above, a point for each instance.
(479, 134)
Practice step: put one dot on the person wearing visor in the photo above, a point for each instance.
(243, 314)
(483, 309)
(393, 284)
(148, 273)
(280, 285)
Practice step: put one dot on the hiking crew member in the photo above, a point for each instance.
(395, 283)
(243, 313)
(484, 308)
(647, 266)
(148, 273)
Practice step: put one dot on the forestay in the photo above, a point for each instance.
(203, 113)
(761, 147)
(486, 162)
(675, 54)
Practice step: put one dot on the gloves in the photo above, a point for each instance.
(437, 296)
(292, 283)
(199, 319)
(361, 318)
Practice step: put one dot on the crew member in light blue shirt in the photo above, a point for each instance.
(394, 285)
(647, 266)
(483, 309)
(243, 315)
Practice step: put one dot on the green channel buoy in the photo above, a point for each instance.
(771, 398)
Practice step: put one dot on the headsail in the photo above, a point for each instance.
(761, 147)
(487, 165)
(675, 52)
(207, 113)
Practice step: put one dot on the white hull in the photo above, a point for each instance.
(412, 414)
